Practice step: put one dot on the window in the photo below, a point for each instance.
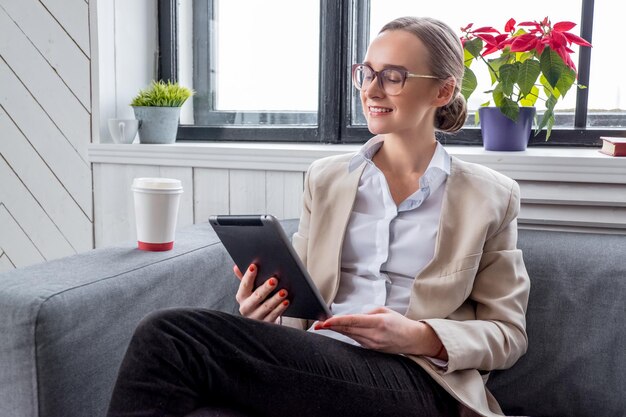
(279, 70)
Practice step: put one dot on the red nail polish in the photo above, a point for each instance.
(282, 293)
(252, 268)
(272, 282)
(286, 303)
(326, 325)
(318, 326)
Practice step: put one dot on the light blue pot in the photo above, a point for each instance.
(157, 124)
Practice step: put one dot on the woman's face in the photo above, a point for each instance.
(413, 108)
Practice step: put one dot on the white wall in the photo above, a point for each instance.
(127, 45)
(66, 66)
(46, 202)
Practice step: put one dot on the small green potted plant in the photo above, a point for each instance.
(534, 63)
(158, 110)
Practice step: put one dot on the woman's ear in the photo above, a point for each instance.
(446, 90)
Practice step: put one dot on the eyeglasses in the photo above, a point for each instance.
(390, 80)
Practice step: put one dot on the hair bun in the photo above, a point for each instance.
(451, 117)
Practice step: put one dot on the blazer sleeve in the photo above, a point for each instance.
(497, 338)
(300, 242)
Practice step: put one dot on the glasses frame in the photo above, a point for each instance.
(405, 74)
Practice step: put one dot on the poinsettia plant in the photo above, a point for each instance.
(534, 62)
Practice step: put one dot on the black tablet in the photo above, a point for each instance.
(260, 239)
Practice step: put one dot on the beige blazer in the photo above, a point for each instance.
(474, 291)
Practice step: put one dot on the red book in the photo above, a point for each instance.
(613, 146)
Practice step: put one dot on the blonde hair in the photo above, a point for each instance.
(445, 61)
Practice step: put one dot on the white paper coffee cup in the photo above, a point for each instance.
(156, 211)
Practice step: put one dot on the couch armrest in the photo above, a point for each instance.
(65, 324)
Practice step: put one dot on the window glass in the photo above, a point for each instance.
(485, 13)
(607, 84)
(261, 58)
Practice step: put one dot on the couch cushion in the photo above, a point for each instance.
(576, 360)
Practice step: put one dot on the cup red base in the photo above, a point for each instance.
(155, 247)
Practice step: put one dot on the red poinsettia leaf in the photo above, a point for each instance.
(539, 47)
(490, 39)
(523, 43)
(486, 29)
(562, 53)
(510, 25)
(536, 25)
(568, 50)
(576, 39)
(490, 49)
(557, 39)
(545, 21)
(563, 26)
(466, 28)
(501, 38)
(570, 63)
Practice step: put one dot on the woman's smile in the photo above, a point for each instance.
(377, 111)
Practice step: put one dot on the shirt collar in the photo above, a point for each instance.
(440, 159)
(435, 175)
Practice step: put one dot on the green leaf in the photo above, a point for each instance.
(528, 73)
(508, 78)
(568, 76)
(548, 117)
(494, 67)
(510, 109)
(468, 58)
(530, 99)
(498, 96)
(552, 66)
(547, 88)
(474, 46)
(469, 83)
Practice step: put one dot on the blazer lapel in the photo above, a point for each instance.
(445, 233)
(338, 199)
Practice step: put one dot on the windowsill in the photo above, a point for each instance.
(543, 164)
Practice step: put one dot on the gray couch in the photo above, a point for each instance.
(65, 324)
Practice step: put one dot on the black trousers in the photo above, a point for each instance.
(180, 360)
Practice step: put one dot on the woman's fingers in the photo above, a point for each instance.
(256, 304)
(247, 283)
(237, 272)
(249, 304)
(273, 308)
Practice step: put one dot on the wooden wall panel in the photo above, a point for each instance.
(43, 134)
(211, 193)
(73, 16)
(31, 217)
(5, 262)
(47, 37)
(247, 192)
(44, 83)
(20, 251)
(46, 199)
(284, 193)
(572, 206)
(49, 192)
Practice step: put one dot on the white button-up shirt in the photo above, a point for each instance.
(387, 245)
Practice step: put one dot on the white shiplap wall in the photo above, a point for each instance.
(206, 191)
(46, 204)
(66, 66)
(561, 189)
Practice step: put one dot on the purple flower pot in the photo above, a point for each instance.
(503, 134)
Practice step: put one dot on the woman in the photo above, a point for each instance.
(415, 252)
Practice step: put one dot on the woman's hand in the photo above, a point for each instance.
(387, 331)
(255, 304)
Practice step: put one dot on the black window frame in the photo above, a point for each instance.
(338, 43)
